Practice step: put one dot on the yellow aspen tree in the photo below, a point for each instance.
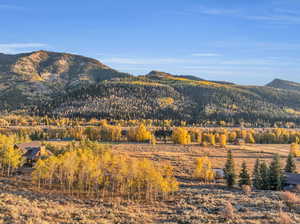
(142, 134)
(139, 134)
(295, 149)
(250, 139)
(10, 159)
(181, 136)
(232, 136)
(243, 134)
(91, 172)
(212, 139)
(223, 140)
(204, 170)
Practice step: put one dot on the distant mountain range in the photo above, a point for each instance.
(60, 84)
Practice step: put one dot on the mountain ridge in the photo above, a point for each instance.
(284, 84)
(62, 84)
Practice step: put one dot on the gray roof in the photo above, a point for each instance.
(32, 153)
(292, 178)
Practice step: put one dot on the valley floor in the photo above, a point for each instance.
(20, 202)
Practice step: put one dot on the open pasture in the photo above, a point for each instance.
(183, 157)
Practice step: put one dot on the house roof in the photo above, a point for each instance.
(32, 153)
(292, 178)
(29, 145)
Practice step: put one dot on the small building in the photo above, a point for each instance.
(33, 151)
(292, 181)
(219, 173)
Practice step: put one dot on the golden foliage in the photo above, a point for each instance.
(165, 101)
(94, 171)
(210, 138)
(204, 170)
(181, 136)
(11, 158)
(111, 133)
(295, 149)
(223, 140)
(140, 134)
(250, 139)
(232, 136)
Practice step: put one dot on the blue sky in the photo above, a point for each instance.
(247, 42)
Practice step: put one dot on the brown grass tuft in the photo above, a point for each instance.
(290, 199)
(228, 212)
(284, 218)
(246, 189)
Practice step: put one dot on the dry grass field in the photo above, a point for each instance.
(194, 203)
(183, 157)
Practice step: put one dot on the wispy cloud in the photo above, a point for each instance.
(278, 19)
(203, 10)
(12, 48)
(10, 7)
(205, 55)
(144, 61)
(215, 11)
(194, 62)
(271, 15)
(253, 46)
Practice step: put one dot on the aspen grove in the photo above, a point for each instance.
(94, 171)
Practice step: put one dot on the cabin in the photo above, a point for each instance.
(292, 181)
(33, 151)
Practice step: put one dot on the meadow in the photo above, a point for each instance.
(107, 173)
(194, 202)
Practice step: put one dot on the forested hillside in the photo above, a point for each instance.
(284, 84)
(59, 84)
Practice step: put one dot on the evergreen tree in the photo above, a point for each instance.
(229, 170)
(244, 176)
(264, 176)
(256, 175)
(290, 164)
(275, 174)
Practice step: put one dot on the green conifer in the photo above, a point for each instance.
(275, 174)
(229, 170)
(244, 176)
(256, 175)
(264, 176)
(290, 164)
